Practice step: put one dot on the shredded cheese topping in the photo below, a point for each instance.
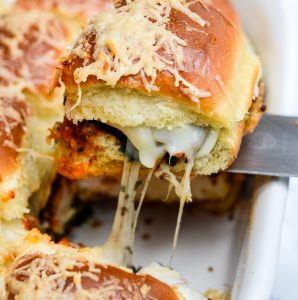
(39, 276)
(134, 39)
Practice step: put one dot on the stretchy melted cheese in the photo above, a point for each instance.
(153, 144)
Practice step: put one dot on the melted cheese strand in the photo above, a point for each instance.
(153, 143)
(120, 243)
(148, 178)
(185, 184)
(164, 171)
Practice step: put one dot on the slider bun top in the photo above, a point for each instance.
(217, 60)
(39, 268)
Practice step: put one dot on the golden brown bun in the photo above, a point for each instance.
(24, 43)
(217, 59)
(98, 279)
(101, 153)
(85, 150)
(41, 269)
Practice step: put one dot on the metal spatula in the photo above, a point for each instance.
(271, 150)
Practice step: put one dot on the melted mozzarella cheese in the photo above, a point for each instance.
(119, 247)
(153, 144)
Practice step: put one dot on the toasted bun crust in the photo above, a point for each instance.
(217, 60)
(98, 280)
(215, 87)
(31, 44)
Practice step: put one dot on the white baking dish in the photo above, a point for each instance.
(240, 254)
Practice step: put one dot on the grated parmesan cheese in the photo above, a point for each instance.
(51, 271)
(134, 39)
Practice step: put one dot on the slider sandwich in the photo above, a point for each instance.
(177, 79)
(164, 87)
(32, 39)
(36, 268)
